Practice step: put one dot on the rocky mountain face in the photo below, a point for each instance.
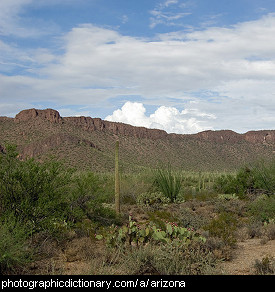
(97, 124)
(90, 124)
(254, 137)
(89, 141)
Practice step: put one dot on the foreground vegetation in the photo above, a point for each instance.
(170, 222)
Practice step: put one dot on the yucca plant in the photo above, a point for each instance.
(168, 183)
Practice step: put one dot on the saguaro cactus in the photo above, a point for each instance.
(117, 188)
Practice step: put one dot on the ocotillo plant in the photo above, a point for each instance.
(117, 189)
(168, 182)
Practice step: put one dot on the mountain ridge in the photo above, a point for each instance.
(86, 142)
(93, 124)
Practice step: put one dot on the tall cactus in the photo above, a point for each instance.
(117, 189)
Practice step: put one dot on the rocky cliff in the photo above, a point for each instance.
(31, 114)
(89, 124)
(97, 124)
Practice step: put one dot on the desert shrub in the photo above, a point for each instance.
(36, 193)
(230, 203)
(132, 185)
(83, 195)
(254, 179)
(87, 199)
(142, 261)
(264, 176)
(14, 254)
(219, 248)
(266, 266)
(177, 260)
(254, 229)
(47, 196)
(190, 219)
(269, 229)
(262, 208)
(235, 184)
(160, 217)
(152, 200)
(170, 259)
(224, 227)
(226, 183)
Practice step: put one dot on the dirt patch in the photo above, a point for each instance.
(245, 255)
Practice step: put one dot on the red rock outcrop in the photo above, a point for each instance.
(260, 136)
(222, 136)
(30, 114)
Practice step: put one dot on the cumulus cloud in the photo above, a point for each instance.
(166, 118)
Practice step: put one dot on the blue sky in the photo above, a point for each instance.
(181, 66)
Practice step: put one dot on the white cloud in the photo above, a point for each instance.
(166, 118)
(169, 2)
(10, 19)
(235, 66)
(124, 19)
(163, 14)
(13, 22)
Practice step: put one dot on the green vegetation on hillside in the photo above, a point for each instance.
(72, 144)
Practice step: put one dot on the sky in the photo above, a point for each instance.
(181, 66)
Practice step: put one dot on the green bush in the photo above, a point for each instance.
(264, 175)
(14, 254)
(224, 227)
(238, 184)
(87, 199)
(152, 200)
(255, 179)
(263, 208)
(36, 193)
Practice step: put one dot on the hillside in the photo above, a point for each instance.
(88, 143)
